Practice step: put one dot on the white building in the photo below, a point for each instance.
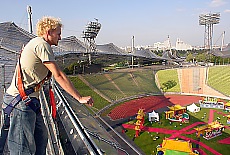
(180, 45)
(159, 46)
(166, 45)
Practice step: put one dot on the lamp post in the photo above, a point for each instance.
(132, 50)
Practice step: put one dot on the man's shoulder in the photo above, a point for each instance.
(38, 40)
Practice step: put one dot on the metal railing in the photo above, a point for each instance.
(85, 133)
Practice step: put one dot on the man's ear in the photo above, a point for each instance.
(49, 32)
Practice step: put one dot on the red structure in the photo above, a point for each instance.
(140, 121)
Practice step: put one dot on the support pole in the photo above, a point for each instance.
(222, 43)
(29, 10)
(132, 50)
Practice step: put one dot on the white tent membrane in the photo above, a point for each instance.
(193, 108)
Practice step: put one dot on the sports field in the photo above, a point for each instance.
(127, 92)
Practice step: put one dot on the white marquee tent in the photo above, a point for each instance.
(193, 108)
(153, 116)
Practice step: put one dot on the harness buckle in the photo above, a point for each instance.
(26, 99)
(36, 88)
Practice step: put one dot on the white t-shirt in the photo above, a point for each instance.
(33, 55)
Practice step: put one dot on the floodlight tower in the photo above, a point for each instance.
(208, 20)
(89, 35)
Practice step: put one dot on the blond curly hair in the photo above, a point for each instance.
(47, 23)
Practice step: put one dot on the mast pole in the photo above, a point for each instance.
(222, 43)
(29, 10)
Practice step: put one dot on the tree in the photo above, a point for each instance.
(201, 57)
(189, 57)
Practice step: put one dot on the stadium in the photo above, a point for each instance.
(120, 92)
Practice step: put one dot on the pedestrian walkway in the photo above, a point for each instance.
(225, 141)
(211, 116)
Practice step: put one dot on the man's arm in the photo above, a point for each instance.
(65, 83)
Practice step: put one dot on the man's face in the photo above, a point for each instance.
(54, 36)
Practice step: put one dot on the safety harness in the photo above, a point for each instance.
(24, 93)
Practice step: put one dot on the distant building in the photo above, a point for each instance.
(159, 46)
(166, 45)
(181, 46)
(127, 49)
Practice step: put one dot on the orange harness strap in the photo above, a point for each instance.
(21, 88)
(20, 85)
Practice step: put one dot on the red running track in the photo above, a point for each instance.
(150, 103)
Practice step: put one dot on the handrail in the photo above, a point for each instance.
(90, 145)
(85, 132)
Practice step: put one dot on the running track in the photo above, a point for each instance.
(150, 103)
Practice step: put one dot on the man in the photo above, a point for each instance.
(27, 133)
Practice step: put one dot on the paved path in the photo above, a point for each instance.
(225, 141)
(183, 131)
(174, 133)
(211, 115)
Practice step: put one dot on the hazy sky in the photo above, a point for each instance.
(149, 21)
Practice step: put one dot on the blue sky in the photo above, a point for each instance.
(149, 21)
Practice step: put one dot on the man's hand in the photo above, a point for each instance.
(86, 100)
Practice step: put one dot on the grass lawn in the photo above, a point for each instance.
(84, 90)
(168, 80)
(218, 78)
